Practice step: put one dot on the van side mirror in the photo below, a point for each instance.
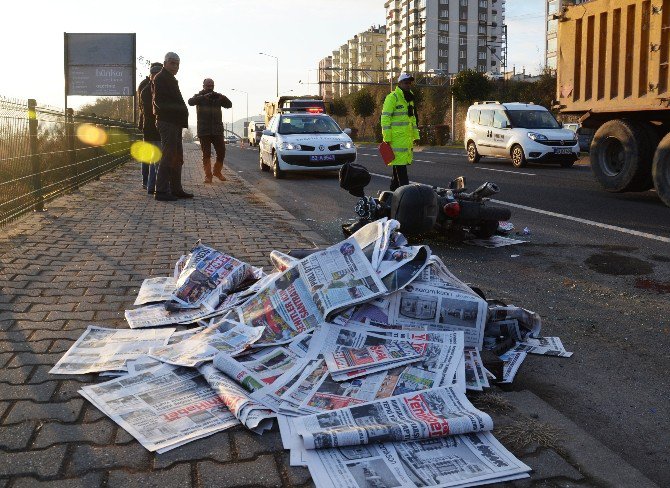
(347, 131)
(268, 132)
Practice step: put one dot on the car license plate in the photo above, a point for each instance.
(322, 157)
(562, 150)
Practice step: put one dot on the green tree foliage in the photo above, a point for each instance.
(340, 108)
(363, 104)
(540, 92)
(469, 86)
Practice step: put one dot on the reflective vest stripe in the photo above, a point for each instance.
(400, 124)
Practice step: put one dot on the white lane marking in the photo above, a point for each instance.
(505, 171)
(475, 167)
(587, 222)
(571, 218)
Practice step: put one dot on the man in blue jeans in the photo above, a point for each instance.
(171, 117)
(148, 126)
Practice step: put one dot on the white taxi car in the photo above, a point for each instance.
(304, 142)
(523, 132)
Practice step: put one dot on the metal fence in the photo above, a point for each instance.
(45, 152)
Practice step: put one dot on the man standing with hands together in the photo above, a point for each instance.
(399, 128)
(208, 105)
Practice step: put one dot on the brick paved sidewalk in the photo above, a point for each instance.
(82, 263)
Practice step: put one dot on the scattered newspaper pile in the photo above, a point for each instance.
(362, 352)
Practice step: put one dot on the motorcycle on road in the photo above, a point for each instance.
(422, 208)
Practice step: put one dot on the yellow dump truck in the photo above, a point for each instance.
(614, 73)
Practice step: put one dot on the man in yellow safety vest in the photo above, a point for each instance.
(399, 128)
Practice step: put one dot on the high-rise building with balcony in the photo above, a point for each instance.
(357, 62)
(368, 58)
(326, 78)
(336, 76)
(445, 36)
(553, 9)
(343, 68)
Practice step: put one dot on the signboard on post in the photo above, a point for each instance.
(99, 64)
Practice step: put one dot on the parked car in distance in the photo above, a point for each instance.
(231, 139)
(255, 131)
(524, 132)
(304, 142)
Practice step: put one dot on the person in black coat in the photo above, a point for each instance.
(171, 117)
(140, 124)
(208, 105)
(147, 122)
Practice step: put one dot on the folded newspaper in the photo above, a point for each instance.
(225, 336)
(327, 281)
(437, 412)
(362, 351)
(207, 276)
(99, 349)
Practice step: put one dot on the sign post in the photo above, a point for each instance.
(100, 65)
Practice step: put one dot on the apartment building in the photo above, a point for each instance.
(369, 58)
(359, 61)
(326, 78)
(552, 10)
(445, 36)
(336, 76)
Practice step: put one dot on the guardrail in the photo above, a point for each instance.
(45, 152)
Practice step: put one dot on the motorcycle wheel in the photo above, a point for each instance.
(486, 229)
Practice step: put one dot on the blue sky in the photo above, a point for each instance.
(217, 39)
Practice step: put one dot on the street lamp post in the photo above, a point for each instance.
(277, 60)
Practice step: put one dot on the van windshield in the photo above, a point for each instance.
(533, 119)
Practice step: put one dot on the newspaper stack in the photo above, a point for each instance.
(362, 351)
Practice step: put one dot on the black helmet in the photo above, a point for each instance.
(354, 178)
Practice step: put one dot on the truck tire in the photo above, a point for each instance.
(621, 154)
(661, 170)
(653, 137)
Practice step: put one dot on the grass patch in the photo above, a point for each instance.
(522, 434)
(492, 402)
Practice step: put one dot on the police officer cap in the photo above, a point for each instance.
(405, 76)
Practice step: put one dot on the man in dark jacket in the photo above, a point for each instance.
(208, 105)
(171, 117)
(140, 125)
(148, 125)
